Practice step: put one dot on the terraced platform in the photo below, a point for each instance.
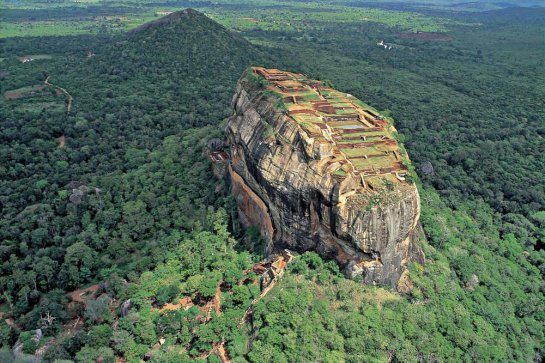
(361, 140)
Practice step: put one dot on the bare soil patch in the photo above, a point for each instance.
(61, 141)
(184, 303)
(82, 295)
(23, 92)
(251, 20)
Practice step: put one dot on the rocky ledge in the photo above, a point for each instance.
(318, 170)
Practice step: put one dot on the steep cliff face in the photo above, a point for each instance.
(316, 169)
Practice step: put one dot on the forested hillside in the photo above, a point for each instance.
(118, 195)
(104, 202)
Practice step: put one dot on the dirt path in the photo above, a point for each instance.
(70, 98)
(214, 304)
(61, 140)
(256, 300)
(219, 349)
(81, 295)
(183, 303)
(217, 301)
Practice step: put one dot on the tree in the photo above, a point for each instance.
(79, 263)
(90, 355)
(6, 334)
(98, 310)
(136, 217)
(100, 335)
(29, 344)
(166, 294)
(56, 353)
(45, 269)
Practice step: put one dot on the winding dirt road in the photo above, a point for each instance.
(70, 98)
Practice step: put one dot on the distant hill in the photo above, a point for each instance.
(186, 62)
(472, 6)
(185, 45)
(173, 18)
(159, 82)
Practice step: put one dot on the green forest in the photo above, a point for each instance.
(116, 196)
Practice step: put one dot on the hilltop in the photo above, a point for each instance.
(172, 19)
(319, 170)
(186, 44)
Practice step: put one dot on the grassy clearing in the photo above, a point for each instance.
(379, 162)
(43, 28)
(340, 172)
(290, 16)
(263, 15)
(34, 57)
(72, 27)
(359, 152)
(23, 92)
(38, 107)
(296, 17)
(344, 112)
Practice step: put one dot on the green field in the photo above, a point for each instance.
(37, 107)
(34, 57)
(297, 17)
(264, 15)
(23, 92)
(73, 27)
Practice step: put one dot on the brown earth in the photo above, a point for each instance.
(70, 98)
(185, 303)
(14, 95)
(219, 349)
(217, 301)
(252, 210)
(82, 295)
(61, 141)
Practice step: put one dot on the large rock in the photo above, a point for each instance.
(317, 170)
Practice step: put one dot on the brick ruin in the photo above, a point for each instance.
(360, 140)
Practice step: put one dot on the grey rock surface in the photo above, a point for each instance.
(307, 207)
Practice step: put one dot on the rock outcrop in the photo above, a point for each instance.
(317, 169)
